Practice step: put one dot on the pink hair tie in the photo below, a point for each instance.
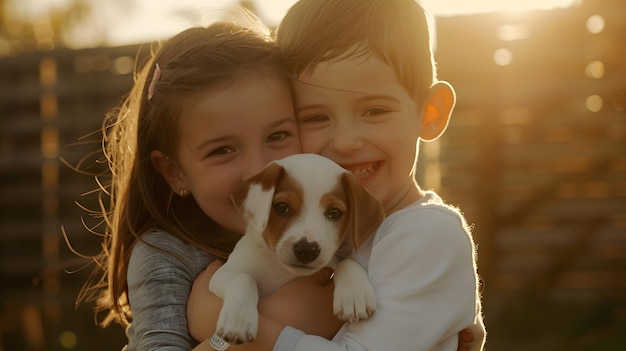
(155, 78)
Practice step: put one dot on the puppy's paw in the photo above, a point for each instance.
(354, 297)
(238, 324)
(354, 303)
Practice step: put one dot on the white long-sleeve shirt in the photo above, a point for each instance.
(422, 265)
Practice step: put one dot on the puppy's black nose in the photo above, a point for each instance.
(306, 251)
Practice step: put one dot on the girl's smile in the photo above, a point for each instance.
(230, 135)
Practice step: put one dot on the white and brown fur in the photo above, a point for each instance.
(303, 213)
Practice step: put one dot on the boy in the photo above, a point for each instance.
(366, 93)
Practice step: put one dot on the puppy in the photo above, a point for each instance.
(303, 213)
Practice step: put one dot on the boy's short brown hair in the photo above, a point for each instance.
(398, 31)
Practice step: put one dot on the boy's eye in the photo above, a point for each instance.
(278, 136)
(375, 111)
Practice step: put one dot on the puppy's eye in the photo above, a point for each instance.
(334, 214)
(281, 208)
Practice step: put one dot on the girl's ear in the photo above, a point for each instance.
(169, 170)
(436, 111)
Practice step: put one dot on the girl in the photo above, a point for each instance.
(211, 108)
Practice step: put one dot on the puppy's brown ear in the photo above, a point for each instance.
(253, 197)
(365, 212)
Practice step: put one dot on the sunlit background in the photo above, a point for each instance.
(535, 156)
(90, 23)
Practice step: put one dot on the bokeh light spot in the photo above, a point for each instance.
(594, 103)
(68, 339)
(123, 65)
(503, 57)
(595, 69)
(595, 24)
(509, 32)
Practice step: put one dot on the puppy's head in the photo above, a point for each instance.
(306, 208)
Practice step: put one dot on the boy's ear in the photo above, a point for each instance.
(169, 170)
(436, 111)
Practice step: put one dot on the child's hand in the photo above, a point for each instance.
(465, 339)
(472, 338)
(203, 306)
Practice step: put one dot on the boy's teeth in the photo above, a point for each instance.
(363, 172)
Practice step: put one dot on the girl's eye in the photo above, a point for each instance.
(220, 151)
(375, 111)
(278, 136)
(315, 119)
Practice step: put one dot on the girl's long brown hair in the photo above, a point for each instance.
(198, 59)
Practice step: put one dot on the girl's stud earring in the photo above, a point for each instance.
(183, 193)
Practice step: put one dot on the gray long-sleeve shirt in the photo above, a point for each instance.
(159, 282)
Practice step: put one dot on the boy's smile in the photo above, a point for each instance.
(355, 112)
(364, 170)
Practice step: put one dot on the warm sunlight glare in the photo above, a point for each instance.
(273, 10)
(139, 21)
(464, 7)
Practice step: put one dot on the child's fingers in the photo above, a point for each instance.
(466, 335)
(465, 339)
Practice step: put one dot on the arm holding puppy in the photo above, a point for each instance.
(298, 303)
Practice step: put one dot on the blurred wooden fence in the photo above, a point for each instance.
(49, 102)
(535, 156)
